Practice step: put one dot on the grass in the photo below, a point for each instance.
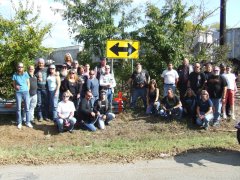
(128, 139)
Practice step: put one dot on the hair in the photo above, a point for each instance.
(205, 92)
(151, 82)
(68, 54)
(76, 78)
(193, 93)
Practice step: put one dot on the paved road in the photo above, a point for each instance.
(218, 165)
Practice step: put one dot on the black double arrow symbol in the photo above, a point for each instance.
(116, 49)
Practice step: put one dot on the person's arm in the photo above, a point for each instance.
(58, 85)
(147, 96)
(157, 94)
(101, 81)
(113, 82)
(178, 105)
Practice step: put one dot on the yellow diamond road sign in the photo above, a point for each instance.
(122, 49)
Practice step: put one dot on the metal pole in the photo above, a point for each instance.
(223, 22)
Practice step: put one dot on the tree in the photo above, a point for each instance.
(20, 41)
(95, 21)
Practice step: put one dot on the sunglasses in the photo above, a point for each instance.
(72, 72)
(66, 96)
(20, 66)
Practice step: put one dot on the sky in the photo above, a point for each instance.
(60, 36)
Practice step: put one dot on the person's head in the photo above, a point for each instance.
(189, 92)
(228, 69)
(209, 67)
(185, 62)
(64, 67)
(102, 94)
(103, 61)
(222, 68)
(170, 93)
(65, 96)
(107, 69)
(86, 67)
(170, 66)
(204, 95)
(41, 63)
(216, 71)
(88, 95)
(31, 69)
(138, 67)
(68, 58)
(91, 74)
(20, 68)
(52, 69)
(197, 67)
(152, 84)
(72, 74)
(75, 64)
(81, 69)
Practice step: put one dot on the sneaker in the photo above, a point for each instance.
(71, 131)
(233, 117)
(19, 126)
(216, 124)
(29, 125)
(40, 120)
(224, 116)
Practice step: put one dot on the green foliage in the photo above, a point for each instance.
(20, 41)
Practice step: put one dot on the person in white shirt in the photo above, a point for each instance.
(170, 79)
(65, 111)
(231, 89)
(107, 82)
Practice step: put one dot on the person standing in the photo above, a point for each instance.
(32, 92)
(139, 81)
(217, 88)
(170, 79)
(100, 69)
(93, 86)
(42, 94)
(68, 60)
(107, 82)
(230, 95)
(21, 85)
(183, 71)
(196, 80)
(53, 82)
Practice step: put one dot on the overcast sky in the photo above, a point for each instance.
(60, 36)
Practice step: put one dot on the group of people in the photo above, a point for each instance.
(204, 92)
(74, 94)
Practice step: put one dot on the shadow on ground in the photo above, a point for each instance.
(199, 156)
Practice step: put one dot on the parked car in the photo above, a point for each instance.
(7, 106)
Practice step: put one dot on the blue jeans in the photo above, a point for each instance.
(53, 103)
(109, 96)
(93, 99)
(204, 122)
(59, 121)
(100, 121)
(25, 97)
(217, 106)
(153, 109)
(175, 113)
(139, 92)
(42, 104)
(166, 87)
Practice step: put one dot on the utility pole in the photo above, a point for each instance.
(222, 22)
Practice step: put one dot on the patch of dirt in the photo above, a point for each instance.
(131, 125)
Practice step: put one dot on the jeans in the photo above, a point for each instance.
(109, 96)
(53, 103)
(166, 87)
(59, 121)
(42, 104)
(153, 109)
(175, 113)
(204, 122)
(139, 92)
(93, 99)
(101, 123)
(33, 104)
(217, 106)
(25, 97)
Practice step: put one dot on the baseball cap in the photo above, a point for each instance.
(52, 66)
